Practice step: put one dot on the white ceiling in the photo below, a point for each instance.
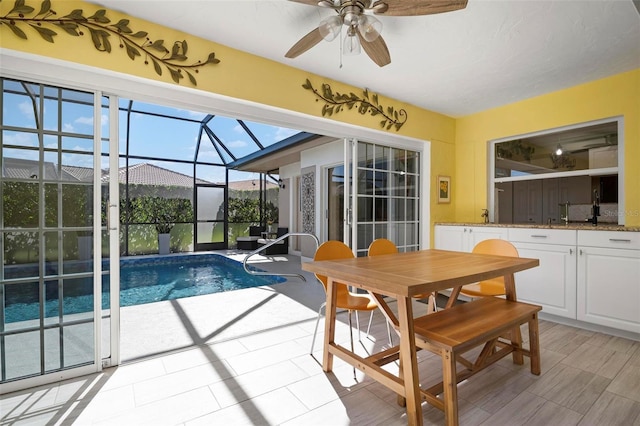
(492, 53)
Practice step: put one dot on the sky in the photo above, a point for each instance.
(150, 135)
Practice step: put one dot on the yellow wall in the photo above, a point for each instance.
(458, 146)
(618, 95)
(238, 75)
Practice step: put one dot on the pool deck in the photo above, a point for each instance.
(158, 328)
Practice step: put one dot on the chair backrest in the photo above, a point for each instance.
(382, 246)
(255, 231)
(331, 250)
(497, 247)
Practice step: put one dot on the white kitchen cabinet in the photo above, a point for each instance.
(551, 285)
(464, 238)
(608, 290)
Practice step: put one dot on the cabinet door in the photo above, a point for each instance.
(450, 237)
(552, 284)
(480, 233)
(575, 190)
(527, 201)
(609, 287)
(550, 201)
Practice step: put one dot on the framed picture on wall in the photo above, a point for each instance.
(444, 189)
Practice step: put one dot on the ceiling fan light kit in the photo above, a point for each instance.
(363, 30)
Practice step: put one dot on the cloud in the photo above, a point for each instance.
(236, 144)
(20, 138)
(84, 120)
(283, 133)
(26, 108)
(67, 127)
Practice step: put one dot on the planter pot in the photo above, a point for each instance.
(164, 243)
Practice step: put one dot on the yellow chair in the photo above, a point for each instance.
(493, 286)
(382, 246)
(346, 299)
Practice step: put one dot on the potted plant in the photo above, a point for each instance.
(165, 214)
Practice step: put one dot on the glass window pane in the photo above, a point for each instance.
(21, 254)
(77, 167)
(10, 137)
(162, 137)
(413, 162)
(51, 117)
(77, 205)
(381, 183)
(20, 111)
(365, 182)
(412, 185)
(20, 204)
(78, 343)
(365, 155)
(381, 210)
(210, 203)
(210, 232)
(365, 236)
(382, 157)
(399, 162)
(365, 209)
(77, 144)
(22, 363)
(77, 118)
(397, 210)
(21, 303)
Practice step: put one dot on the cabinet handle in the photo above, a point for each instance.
(580, 252)
(538, 236)
(570, 251)
(619, 240)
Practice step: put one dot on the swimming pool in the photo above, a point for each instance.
(143, 280)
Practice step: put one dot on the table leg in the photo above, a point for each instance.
(329, 325)
(409, 362)
(450, 388)
(516, 333)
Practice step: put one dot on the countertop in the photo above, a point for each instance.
(582, 226)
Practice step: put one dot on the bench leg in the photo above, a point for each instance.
(450, 384)
(534, 345)
(516, 341)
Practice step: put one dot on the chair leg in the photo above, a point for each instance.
(351, 338)
(313, 342)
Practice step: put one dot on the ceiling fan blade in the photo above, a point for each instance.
(377, 50)
(309, 2)
(305, 43)
(417, 7)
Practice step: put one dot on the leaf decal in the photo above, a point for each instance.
(336, 102)
(45, 7)
(102, 32)
(17, 31)
(45, 33)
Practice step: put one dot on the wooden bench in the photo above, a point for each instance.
(492, 321)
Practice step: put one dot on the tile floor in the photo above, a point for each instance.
(254, 368)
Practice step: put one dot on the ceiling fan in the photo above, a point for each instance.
(363, 29)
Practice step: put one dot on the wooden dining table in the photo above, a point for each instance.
(401, 276)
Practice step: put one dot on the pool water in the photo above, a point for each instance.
(142, 280)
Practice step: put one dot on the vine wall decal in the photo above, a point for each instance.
(102, 30)
(335, 102)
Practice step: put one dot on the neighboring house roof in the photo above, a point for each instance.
(249, 185)
(150, 174)
(139, 174)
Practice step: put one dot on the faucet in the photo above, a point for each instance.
(565, 207)
(595, 209)
(485, 215)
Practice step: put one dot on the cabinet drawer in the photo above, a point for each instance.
(610, 239)
(543, 236)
